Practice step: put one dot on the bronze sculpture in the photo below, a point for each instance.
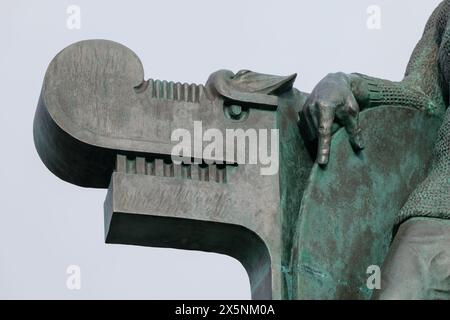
(100, 124)
(415, 268)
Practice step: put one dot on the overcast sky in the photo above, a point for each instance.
(47, 224)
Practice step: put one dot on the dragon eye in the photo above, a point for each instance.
(235, 111)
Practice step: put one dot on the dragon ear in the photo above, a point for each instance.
(249, 81)
(248, 86)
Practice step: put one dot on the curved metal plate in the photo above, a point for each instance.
(348, 209)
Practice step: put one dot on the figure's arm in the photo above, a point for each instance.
(423, 86)
(339, 97)
(371, 92)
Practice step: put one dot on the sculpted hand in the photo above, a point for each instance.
(330, 105)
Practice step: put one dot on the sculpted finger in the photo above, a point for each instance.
(354, 133)
(324, 132)
(351, 124)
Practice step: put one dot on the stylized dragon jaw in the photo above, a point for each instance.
(100, 124)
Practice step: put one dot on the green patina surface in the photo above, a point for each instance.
(349, 208)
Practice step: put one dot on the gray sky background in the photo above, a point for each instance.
(47, 224)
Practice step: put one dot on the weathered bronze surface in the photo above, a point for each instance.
(311, 230)
(99, 124)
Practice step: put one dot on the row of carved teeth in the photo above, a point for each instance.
(169, 90)
(166, 168)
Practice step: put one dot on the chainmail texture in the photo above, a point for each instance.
(385, 92)
(426, 87)
(432, 197)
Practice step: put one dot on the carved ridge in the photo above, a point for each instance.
(166, 168)
(169, 90)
